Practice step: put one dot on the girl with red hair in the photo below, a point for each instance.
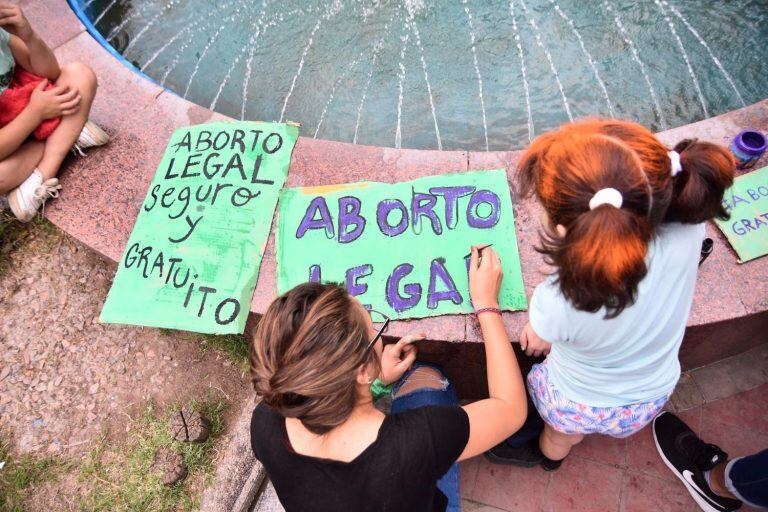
(623, 230)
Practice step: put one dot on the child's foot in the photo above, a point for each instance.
(527, 455)
(90, 136)
(689, 457)
(28, 197)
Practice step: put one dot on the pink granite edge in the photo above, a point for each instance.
(166, 110)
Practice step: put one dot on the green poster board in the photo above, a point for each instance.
(747, 202)
(194, 254)
(400, 248)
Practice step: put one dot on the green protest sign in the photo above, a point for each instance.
(747, 202)
(193, 257)
(400, 248)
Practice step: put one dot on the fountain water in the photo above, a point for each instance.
(685, 56)
(331, 11)
(529, 66)
(410, 6)
(549, 58)
(586, 53)
(400, 88)
(477, 70)
(522, 70)
(636, 57)
(709, 50)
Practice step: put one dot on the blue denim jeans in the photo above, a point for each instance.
(445, 394)
(747, 478)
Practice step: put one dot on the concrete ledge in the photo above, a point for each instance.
(103, 192)
(239, 476)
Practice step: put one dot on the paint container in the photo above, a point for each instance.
(748, 147)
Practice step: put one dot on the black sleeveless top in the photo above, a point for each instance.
(398, 472)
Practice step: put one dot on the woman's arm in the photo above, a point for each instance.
(494, 419)
(29, 51)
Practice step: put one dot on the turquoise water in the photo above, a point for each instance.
(447, 74)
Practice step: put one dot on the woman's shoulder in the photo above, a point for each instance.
(264, 414)
(265, 423)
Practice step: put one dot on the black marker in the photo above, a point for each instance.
(479, 251)
(707, 246)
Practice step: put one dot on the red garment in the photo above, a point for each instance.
(16, 97)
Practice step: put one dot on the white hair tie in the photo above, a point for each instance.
(603, 196)
(677, 165)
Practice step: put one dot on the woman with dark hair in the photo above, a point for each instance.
(325, 446)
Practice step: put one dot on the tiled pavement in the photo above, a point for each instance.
(726, 403)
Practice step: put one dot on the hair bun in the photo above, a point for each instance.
(306, 352)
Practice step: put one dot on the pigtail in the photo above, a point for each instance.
(594, 185)
(698, 189)
(601, 258)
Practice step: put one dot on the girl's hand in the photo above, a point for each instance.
(532, 344)
(398, 357)
(485, 277)
(14, 22)
(55, 102)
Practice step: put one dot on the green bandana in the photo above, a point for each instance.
(379, 389)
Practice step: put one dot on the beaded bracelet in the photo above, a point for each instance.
(488, 310)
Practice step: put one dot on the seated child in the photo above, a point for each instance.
(623, 229)
(43, 114)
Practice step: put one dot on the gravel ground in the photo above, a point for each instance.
(66, 379)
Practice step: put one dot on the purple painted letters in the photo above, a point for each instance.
(399, 302)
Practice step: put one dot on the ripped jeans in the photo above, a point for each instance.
(425, 390)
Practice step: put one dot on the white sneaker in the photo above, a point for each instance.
(90, 136)
(28, 197)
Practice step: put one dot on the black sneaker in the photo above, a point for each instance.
(689, 457)
(551, 465)
(526, 455)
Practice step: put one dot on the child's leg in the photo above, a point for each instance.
(17, 167)
(556, 445)
(82, 78)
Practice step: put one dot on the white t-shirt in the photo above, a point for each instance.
(631, 358)
(7, 63)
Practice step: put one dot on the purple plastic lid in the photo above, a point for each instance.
(750, 142)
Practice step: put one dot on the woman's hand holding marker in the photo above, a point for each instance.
(397, 358)
(485, 276)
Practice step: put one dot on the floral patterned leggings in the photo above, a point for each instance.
(570, 417)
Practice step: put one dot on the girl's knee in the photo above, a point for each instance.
(561, 439)
(81, 75)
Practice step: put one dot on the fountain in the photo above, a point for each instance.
(493, 74)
